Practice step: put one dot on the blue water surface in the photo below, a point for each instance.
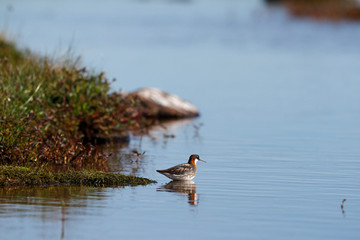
(279, 127)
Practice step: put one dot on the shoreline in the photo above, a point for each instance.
(51, 113)
(11, 176)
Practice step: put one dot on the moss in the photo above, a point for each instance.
(23, 176)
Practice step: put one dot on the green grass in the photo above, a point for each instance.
(51, 114)
(22, 176)
(50, 110)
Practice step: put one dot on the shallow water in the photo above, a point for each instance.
(279, 99)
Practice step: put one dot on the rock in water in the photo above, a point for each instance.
(159, 104)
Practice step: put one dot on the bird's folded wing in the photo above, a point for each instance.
(179, 169)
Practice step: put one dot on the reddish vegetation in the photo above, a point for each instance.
(334, 10)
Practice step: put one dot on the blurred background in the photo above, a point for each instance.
(277, 85)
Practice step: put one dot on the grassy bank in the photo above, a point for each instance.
(52, 113)
(22, 176)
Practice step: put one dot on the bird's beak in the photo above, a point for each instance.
(201, 160)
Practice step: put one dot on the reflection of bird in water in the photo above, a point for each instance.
(185, 171)
(187, 187)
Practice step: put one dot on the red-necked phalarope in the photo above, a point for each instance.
(185, 171)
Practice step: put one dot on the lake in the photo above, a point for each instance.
(279, 126)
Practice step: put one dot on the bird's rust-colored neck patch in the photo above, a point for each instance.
(192, 161)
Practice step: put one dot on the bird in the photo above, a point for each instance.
(183, 172)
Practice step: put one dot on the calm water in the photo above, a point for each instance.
(280, 108)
